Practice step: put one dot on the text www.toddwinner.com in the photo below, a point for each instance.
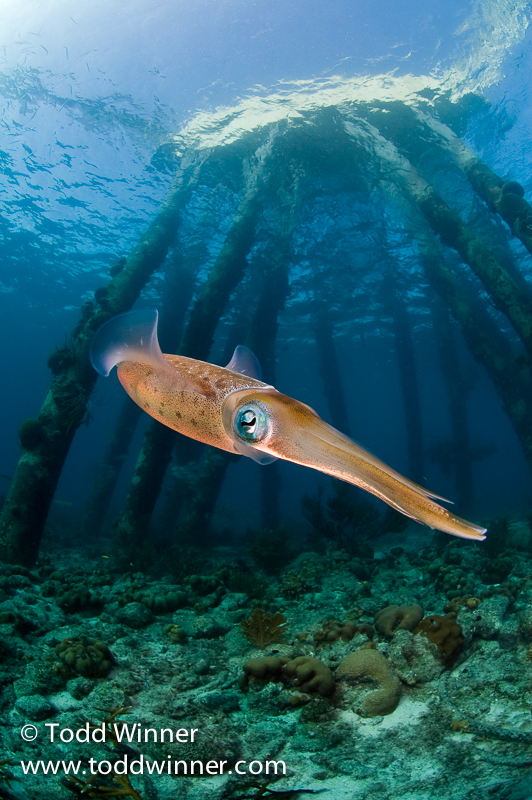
(135, 734)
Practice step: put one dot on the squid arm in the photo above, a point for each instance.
(232, 409)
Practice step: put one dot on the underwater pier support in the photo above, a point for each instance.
(429, 216)
(260, 337)
(503, 290)
(420, 137)
(400, 124)
(329, 368)
(201, 499)
(408, 377)
(46, 439)
(109, 468)
(156, 452)
(505, 197)
(261, 340)
(487, 344)
(457, 392)
(177, 291)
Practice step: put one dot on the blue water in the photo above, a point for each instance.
(88, 95)
(104, 105)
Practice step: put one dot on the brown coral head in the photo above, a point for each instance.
(372, 664)
(310, 675)
(445, 633)
(334, 630)
(395, 618)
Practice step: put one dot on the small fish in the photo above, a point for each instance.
(63, 503)
(232, 409)
(6, 477)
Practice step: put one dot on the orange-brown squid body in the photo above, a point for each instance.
(231, 408)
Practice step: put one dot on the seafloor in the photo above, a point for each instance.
(84, 643)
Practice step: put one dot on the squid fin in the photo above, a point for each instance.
(133, 337)
(127, 337)
(245, 362)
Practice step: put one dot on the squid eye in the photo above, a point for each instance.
(252, 422)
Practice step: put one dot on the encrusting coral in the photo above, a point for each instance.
(368, 663)
(31, 433)
(445, 633)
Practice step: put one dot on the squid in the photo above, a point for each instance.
(232, 409)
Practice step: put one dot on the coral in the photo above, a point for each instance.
(261, 628)
(43, 676)
(100, 293)
(392, 522)
(310, 675)
(360, 568)
(513, 187)
(372, 664)
(488, 621)
(165, 602)
(90, 658)
(31, 433)
(61, 359)
(516, 211)
(445, 633)
(334, 630)
(313, 511)
(470, 603)
(454, 580)
(459, 725)
(176, 634)
(509, 589)
(157, 602)
(75, 597)
(264, 669)
(520, 534)
(393, 618)
(496, 570)
(71, 398)
(117, 267)
(295, 584)
(344, 513)
(207, 584)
